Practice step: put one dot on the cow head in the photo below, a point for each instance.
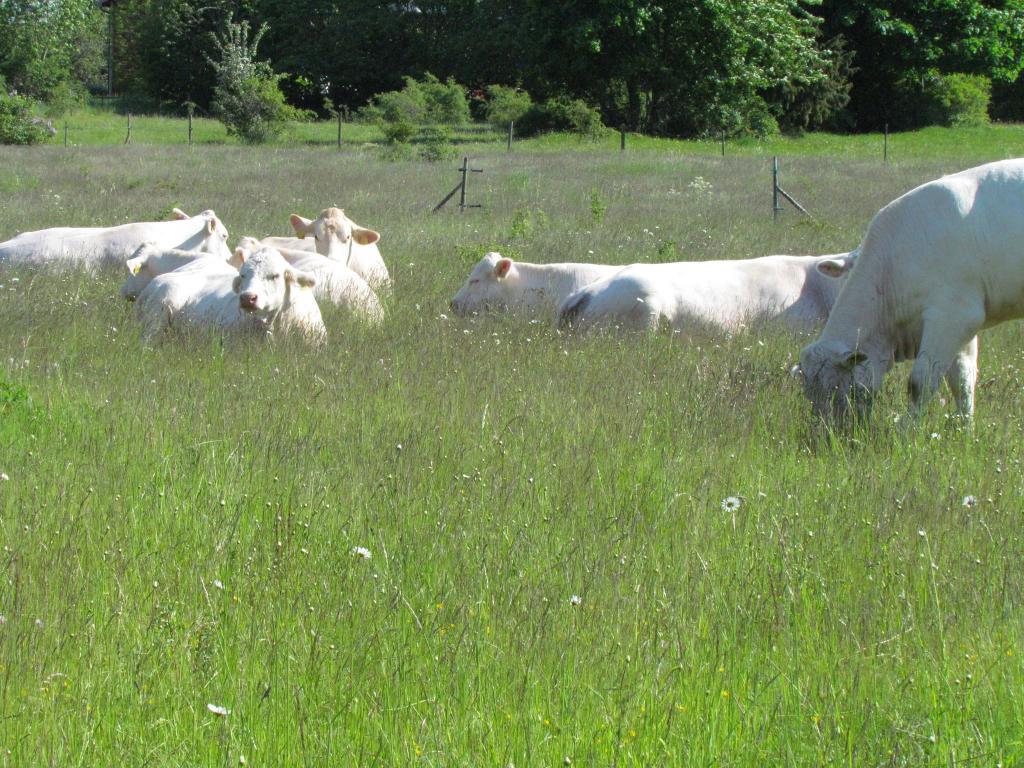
(213, 238)
(265, 282)
(491, 284)
(839, 379)
(334, 233)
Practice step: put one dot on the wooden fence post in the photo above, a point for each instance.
(190, 127)
(622, 138)
(65, 133)
(885, 145)
(128, 138)
(339, 129)
(511, 128)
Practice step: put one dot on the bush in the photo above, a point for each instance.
(561, 114)
(17, 125)
(424, 101)
(247, 97)
(958, 99)
(446, 102)
(436, 144)
(506, 104)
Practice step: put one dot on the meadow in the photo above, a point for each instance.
(469, 542)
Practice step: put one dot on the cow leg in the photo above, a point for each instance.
(942, 341)
(962, 376)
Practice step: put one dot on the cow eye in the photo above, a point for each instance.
(474, 281)
(273, 277)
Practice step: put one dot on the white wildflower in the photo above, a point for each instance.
(731, 503)
(218, 710)
(362, 553)
(969, 501)
(575, 600)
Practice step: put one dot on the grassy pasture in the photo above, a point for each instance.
(179, 522)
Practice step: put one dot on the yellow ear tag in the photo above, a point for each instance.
(135, 268)
(302, 235)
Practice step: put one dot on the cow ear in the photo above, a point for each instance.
(211, 225)
(834, 268)
(365, 236)
(238, 257)
(851, 360)
(300, 225)
(502, 267)
(135, 264)
(179, 214)
(300, 278)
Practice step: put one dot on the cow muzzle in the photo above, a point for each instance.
(248, 301)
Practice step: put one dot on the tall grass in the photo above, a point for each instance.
(180, 522)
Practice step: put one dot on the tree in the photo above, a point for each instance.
(46, 44)
(247, 98)
(901, 45)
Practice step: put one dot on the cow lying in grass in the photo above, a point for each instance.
(497, 282)
(688, 296)
(335, 283)
(93, 247)
(337, 237)
(266, 295)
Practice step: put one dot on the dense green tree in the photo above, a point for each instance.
(44, 45)
(900, 46)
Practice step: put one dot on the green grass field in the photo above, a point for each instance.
(180, 522)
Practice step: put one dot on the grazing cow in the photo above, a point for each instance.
(149, 261)
(937, 265)
(111, 246)
(497, 282)
(338, 237)
(335, 283)
(266, 295)
(711, 295)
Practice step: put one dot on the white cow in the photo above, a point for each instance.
(289, 243)
(338, 237)
(335, 283)
(266, 295)
(727, 295)
(149, 261)
(497, 282)
(111, 246)
(937, 265)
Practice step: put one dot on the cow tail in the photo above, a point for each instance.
(572, 310)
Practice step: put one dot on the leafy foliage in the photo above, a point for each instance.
(247, 98)
(506, 104)
(16, 122)
(561, 114)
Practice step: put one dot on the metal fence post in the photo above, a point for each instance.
(775, 187)
(465, 177)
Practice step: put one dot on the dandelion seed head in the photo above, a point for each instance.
(731, 503)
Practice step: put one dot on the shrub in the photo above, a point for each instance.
(959, 99)
(561, 114)
(446, 102)
(17, 125)
(247, 97)
(506, 104)
(436, 144)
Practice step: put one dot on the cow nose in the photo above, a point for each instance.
(248, 300)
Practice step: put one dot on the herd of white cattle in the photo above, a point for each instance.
(936, 266)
